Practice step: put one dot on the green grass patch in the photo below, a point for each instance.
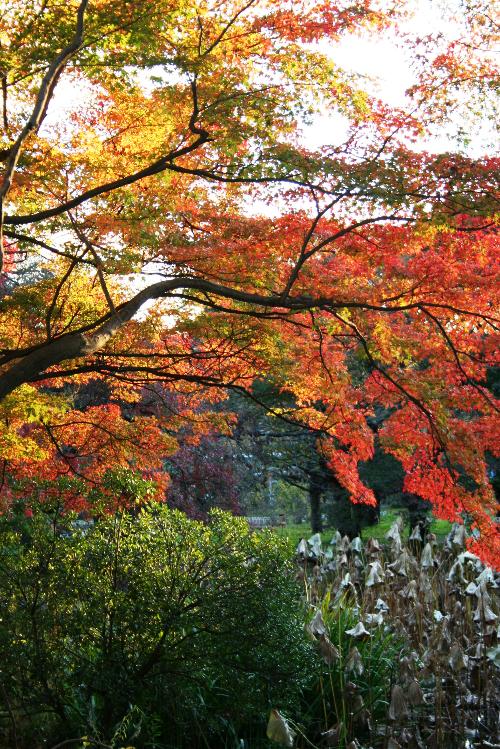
(294, 532)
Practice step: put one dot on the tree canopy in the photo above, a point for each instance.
(166, 228)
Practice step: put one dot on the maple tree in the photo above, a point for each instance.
(163, 224)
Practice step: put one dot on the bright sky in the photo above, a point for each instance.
(385, 66)
(383, 63)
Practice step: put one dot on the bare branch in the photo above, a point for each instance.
(53, 303)
(99, 265)
(50, 248)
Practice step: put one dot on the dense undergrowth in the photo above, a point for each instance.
(148, 631)
(153, 631)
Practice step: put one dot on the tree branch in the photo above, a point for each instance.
(43, 98)
(93, 338)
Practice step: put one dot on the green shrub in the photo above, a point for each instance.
(180, 632)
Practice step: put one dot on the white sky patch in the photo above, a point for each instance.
(70, 96)
(385, 67)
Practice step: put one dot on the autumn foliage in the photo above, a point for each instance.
(167, 230)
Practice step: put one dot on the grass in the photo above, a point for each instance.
(294, 532)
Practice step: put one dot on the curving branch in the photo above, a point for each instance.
(158, 166)
(43, 98)
(29, 364)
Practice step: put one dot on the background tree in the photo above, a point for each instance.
(145, 199)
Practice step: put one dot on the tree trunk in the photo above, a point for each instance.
(315, 504)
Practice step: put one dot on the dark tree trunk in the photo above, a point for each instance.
(315, 504)
(372, 514)
(418, 511)
(30, 364)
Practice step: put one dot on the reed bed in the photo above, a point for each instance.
(408, 632)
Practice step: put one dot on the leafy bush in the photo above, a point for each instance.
(182, 633)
